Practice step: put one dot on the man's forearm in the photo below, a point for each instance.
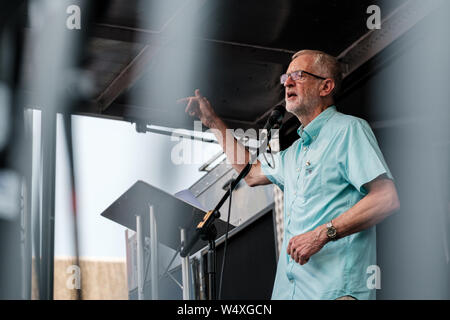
(236, 153)
(369, 211)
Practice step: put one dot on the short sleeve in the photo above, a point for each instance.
(273, 168)
(360, 157)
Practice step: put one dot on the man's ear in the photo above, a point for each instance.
(327, 87)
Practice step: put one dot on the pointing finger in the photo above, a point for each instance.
(184, 99)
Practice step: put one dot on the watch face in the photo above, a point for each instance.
(331, 232)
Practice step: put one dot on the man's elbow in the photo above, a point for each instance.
(396, 205)
(394, 202)
(251, 182)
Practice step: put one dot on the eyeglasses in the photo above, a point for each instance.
(297, 75)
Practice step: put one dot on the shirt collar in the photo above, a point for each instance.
(311, 131)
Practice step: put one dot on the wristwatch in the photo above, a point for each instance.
(331, 231)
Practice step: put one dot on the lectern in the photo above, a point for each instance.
(156, 214)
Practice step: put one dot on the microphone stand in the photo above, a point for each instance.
(207, 231)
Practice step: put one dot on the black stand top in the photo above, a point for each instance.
(171, 214)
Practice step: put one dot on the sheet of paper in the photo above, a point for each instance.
(188, 196)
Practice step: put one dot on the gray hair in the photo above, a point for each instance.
(327, 65)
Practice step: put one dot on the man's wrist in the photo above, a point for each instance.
(322, 234)
(216, 123)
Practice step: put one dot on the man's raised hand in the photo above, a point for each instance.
(200, 107)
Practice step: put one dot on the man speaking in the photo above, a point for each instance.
(336, 185)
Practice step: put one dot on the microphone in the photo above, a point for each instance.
(273, 122)
(276, 118)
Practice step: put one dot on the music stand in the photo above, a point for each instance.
(171, 215)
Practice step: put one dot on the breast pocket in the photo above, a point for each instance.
(312, 179)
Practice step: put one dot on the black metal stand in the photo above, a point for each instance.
(207, 231)
(210, 235)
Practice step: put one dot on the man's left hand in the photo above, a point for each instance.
(303, 246)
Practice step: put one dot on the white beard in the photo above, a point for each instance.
(302, 106)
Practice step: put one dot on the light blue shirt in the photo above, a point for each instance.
(322, 175)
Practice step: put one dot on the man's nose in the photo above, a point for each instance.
(289, 82)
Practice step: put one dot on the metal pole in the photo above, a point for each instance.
(28, 207)
(24, 230)
(140, 257)
(48, 202)
(154, 255)
(201, 276)
(211, 269)
(185, 270)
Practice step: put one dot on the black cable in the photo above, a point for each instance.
(267, 161)
(263, 139)
(225, 245)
